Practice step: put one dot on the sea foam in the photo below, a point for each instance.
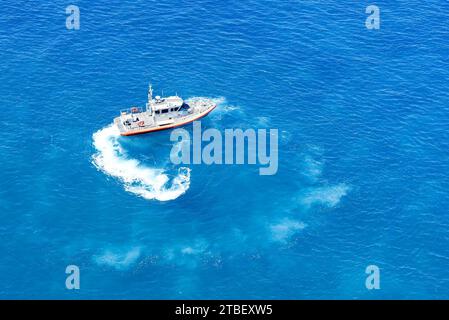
(146, 182)
(119, 260)
(286, 228)
(328, 196)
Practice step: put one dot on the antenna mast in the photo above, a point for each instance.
(150, 96)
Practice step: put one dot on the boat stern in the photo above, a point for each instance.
(120, 126)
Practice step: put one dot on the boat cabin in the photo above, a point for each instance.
(166, 105)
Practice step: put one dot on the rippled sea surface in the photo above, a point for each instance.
(363, 119)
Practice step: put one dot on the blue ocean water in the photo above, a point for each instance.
(363, 123)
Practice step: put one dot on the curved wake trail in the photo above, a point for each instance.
(146, 182)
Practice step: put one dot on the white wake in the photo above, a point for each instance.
(146, 182)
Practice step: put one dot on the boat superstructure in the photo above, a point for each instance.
(162, 113)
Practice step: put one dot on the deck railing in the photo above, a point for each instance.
(131, 110)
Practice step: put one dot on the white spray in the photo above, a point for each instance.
(149, 183)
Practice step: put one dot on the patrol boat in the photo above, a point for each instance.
(162, 113)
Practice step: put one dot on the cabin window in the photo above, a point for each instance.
(157, 111)
(164, 110)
